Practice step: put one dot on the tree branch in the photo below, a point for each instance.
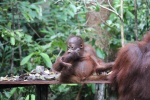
(136, 26)
(122, 24)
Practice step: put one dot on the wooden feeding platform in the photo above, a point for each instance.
(41, 85)
(42, 82)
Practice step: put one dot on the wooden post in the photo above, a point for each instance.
(99, 95)
(41, 92)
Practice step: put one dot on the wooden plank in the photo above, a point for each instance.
(30, 82)
(10, 84)
(48, 82)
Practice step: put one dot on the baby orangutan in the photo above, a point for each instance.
(78, 63)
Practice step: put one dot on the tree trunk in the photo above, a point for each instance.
(94, 20)
(100, 90)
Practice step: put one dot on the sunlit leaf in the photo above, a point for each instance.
(47, 60)
(32, 97)
(100, 53)
(73, 8)
(28, 38)
(13, 91)
(12, 40)
(26, 59)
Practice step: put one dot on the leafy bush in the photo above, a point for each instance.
(33, 33)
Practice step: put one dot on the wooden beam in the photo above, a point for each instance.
(10, 84)
(47, 82)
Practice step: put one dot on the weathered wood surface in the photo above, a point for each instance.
(46, 82)
(10, 84)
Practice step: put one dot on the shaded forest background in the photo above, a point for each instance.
(33, 32)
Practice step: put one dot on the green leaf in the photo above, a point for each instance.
(7, 94)
(73, 8)
(19, 33)
(44, 47)
(93, 88)
(71, 13)
(100, 53)
(63, 88)
(26, 16)
(97, 8)
(26, 59)
(28, 38)
(60, 44)
(46, 59)
(13, 91)
(32, 97)
(12, 40)
(109, 22)
(130, 14)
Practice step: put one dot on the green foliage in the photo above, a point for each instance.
(26, 93)
(33, 32)
(113, 23)
(70, 91)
